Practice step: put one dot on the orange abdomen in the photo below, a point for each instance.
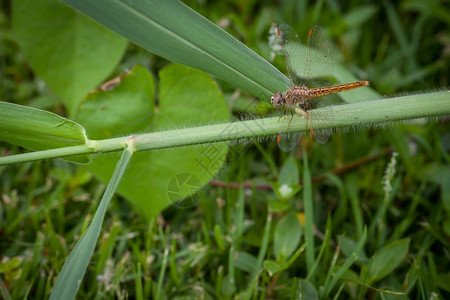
(323, 91)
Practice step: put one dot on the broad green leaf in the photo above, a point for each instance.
(158, 178)
(70, 52)
(279, 206)
(245, 261)
(286, 237)
(360, 14)
(442, 280)
(273, 267)
(37, 129)
(308, 291)
(228, 287)
(289, 173)
(10, 268)
(288, 181)
(348, 247)
(220, 241)
(441, 176)
(388, 259)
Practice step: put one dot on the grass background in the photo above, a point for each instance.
(400, 47)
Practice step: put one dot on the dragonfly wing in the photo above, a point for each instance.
(316, 119)
(294, 52)
(318, 71)
(288, 140)
(322, 136)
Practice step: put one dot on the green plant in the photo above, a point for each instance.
(231, 61)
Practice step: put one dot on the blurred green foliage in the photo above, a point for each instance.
(212, 249)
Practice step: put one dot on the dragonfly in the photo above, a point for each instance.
(310, 71)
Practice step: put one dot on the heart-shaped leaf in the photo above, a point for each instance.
(70, 52)
(156, 179)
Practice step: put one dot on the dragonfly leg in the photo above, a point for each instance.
(284, 112)
(307, 124)
(292, 117)
(300, 111)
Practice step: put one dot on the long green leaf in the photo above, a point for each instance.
(387, 259)
(37, 129)
(172, 30)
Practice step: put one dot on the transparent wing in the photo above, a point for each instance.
(310, 65)
(318, 70)
(316, 118)
(322, 136)
(318, 73)
(288, 140)
(294, 53)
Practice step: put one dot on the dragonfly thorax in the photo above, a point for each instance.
(295, 95)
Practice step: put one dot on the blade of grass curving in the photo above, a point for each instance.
(400, 35)
(355, 203)
(71, 275)
(329, 285)
(338, 293)
(172, 30)
(232, 269)
(325, 245)
(262, 249)
(309, 214)
(236, 234)
(4, 291)
(355, 116)
(162, 272)
(139, 292)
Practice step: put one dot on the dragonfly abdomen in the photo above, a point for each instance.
(323, 91)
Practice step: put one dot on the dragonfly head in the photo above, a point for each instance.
(277, 99)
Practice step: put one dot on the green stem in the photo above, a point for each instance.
(356, 115)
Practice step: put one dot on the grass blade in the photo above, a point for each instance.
(309, 214)
(341, 270)
(71, 275)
